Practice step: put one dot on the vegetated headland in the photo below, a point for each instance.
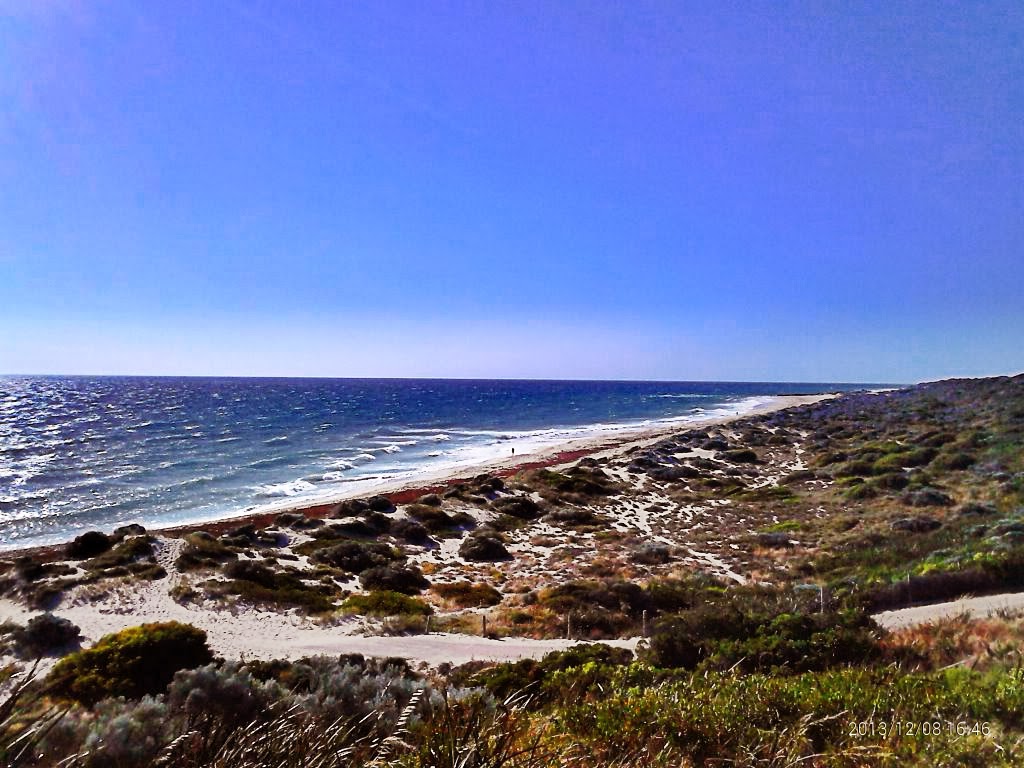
(732, 593)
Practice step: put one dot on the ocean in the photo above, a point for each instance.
(91, 453)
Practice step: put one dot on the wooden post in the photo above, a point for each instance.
(643, 631)
(568, 626)
(483, 621)
(426, 626)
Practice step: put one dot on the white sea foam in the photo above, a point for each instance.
(283, 490)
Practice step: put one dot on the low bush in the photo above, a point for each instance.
(726, 637)
(357, 556)
(435, 520)
(651, 553)
(529, 675)
(45, 635)
(132, 663)
(739, 456)
(410, 531)
(386, 603)
(483, 548)
(88, 545)
(407, 580)
(571, 517)
(201, 551)
(522, 507)
(128, 552)
(465, 594)
(257, 583)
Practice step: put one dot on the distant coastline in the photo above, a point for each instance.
(86, 453)
(407, 490)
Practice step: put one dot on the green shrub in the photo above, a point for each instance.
(529, 675)
(259, 584)
(468, 595)
(386, 603)
(133, 662)
(202, 550)
(724, 636)
(357, 556)
(128, 552)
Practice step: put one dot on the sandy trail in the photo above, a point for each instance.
(975, 607)
(255, 634)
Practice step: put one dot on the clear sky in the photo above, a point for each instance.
(752, 191)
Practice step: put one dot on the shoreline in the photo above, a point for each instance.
(408, 489)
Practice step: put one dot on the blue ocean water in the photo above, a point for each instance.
(80, 453)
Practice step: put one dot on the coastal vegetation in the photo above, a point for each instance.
(752, 560)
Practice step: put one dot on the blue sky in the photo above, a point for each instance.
(750, 191)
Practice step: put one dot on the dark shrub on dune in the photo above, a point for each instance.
(954, 461)
(503, 680)
(88, 545)
(739, 456)
(437, 520)
(483, 548)
(410, 531)
(356, 556)
(918, 524)
(131, 663)
(381, 504)
(45, 635)
(202, 550)
(351, 508)
(407, 580)
(522, 507)
(257, 583)
(571, 517)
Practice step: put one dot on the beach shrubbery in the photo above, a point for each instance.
(725, 637)
(465, 594)
(259, 584)
(407, 580)
(132, 663)
(522, 507)
(88, 545)
(483, 548)
(357, 556)
(410, 531)
(129, 551)
(386, 603)
(202, 550)
(580, 484)
(45, 635)
(437, 521)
